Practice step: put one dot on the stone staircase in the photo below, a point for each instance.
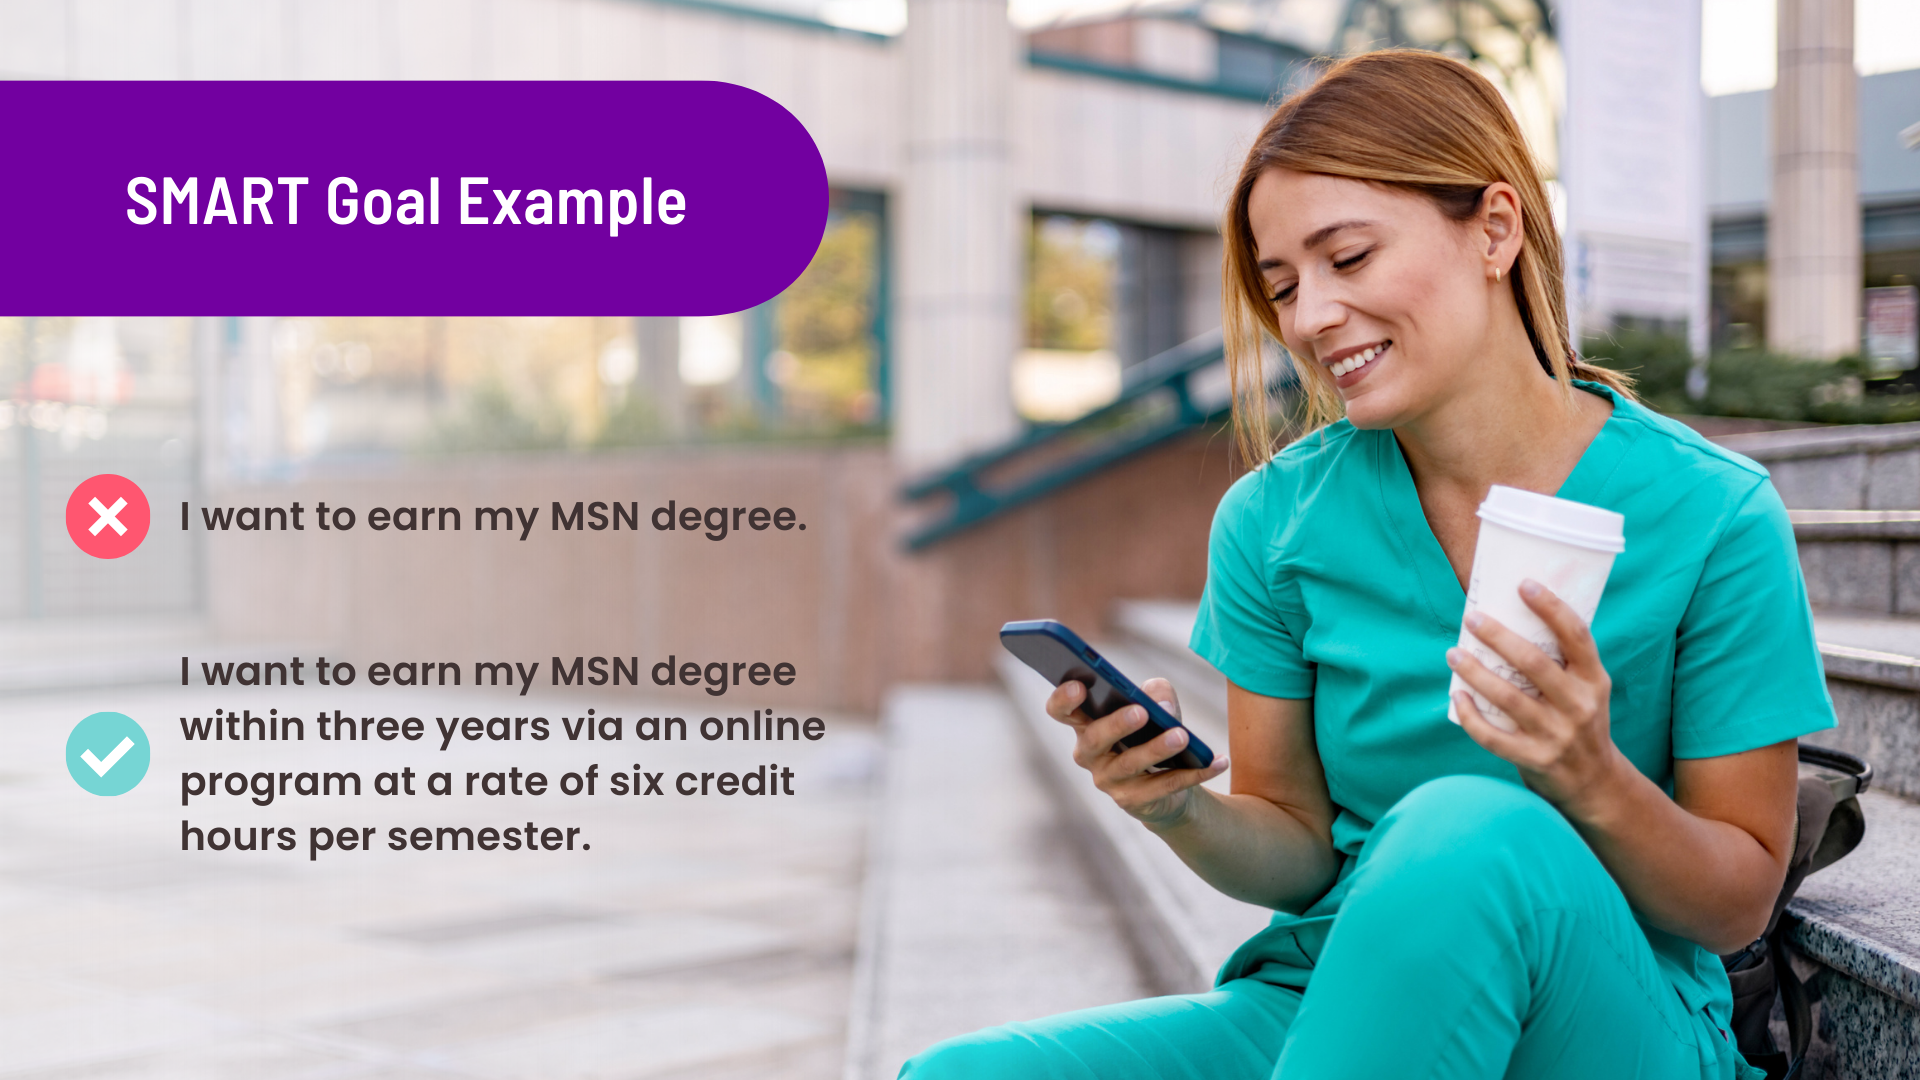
(1856, 494)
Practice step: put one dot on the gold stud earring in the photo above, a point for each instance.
(1496, 275)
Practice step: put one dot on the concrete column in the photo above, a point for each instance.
(238, 377)
(210, 401)
(957, 312)
(657, 338)
(1813, 222)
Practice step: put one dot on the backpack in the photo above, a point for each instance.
(1829, 824)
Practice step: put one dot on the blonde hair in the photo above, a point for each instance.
(1408, 119)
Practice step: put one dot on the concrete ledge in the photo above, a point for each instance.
(1858, 957)
(1817, 525)
(1850, 467)
(1869, 666)
(1860, 916)
(1873, 674)
(1795, 443)
(1861, 1034)
(1860, 920)
(1881, 725)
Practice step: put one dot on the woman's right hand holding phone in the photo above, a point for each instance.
(1158, 799)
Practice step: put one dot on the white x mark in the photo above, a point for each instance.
(109, 515)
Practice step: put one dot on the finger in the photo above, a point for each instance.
(1526, 711)
(1524, 656)
(1573, 633)
(1161, 691)
(1065, 701)
(1136, 791)
(1137, 760)
(1133, 761)
(1502, 744)
(1094, 749)
(1148, 787)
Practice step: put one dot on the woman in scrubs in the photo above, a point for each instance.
(1452, 900)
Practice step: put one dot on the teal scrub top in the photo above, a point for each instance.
(1325, 581)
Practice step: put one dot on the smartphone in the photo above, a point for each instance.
(1059, 654)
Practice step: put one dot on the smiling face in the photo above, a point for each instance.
(1394, 302)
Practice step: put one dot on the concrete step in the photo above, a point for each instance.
(1873, 673)
(1861, 560)
(1843, 467)
(1860, 919)
(977, 908)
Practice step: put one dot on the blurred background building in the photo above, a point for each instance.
(1010, 307)
(1740, 186)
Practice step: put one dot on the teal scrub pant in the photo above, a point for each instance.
(1480, 937)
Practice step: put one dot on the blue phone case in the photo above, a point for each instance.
(1059, 654)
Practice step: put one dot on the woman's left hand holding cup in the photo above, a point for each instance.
(1562, 745)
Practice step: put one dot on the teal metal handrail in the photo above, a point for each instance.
(1170, 393)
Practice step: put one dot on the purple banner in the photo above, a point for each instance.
(402, 198)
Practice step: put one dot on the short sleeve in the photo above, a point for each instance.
(1747, 672)
(1239, 629)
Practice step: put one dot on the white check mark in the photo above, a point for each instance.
(101, 767)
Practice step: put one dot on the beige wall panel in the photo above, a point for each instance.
(843, 87)
(615, 39)
(236, 39)
(531, 39)
(33, 40)
(1105, 146)
(436, 39)
(338, 39)
(126, 39)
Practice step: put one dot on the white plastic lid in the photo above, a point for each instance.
(1555, 518)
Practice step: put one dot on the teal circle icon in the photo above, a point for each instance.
(108, 753)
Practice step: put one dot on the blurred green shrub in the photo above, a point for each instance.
(488, 418)
(1753, 382)
(633, 421)
(1658, 363)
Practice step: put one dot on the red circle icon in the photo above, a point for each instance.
(107, 516)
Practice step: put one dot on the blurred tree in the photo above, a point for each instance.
(824, 323)
(1511, 42)
(489, 418)
(634, 421)
(1658, 363)
(1073, 265)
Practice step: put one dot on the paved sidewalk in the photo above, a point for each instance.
(707, 937)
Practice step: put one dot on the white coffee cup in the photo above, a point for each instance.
(1564, 545)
